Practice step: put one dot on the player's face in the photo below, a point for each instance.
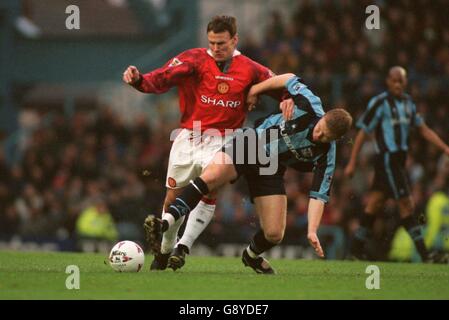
(222, 45)
(396, 83)
(321, 132)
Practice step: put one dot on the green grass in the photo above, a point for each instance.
(25, 275)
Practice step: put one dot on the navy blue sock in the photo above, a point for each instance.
(259, 244)
(361, 235)
(414, 230)
(366, 225)
(189, 198)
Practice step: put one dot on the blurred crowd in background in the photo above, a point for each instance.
(93, 166)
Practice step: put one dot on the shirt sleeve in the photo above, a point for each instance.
(304, 98)
(262, 74)
(372, 116)
(323, 174)
(293, 85)
(168, 76)
(417, 119)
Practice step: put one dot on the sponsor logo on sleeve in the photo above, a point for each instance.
(175, 62)
(296, 87)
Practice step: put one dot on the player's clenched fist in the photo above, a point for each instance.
(131, 75)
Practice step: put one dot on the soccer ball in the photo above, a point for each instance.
(126, 256)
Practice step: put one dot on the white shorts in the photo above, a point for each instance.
(189, 155)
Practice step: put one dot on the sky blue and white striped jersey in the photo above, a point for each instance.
(295, 147)
(390, 118)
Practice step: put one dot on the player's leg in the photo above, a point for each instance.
(181, 168)
(199, 219)
(169, 238)
(411, 224)
(269, 197)
(272, 212)
(376, 203)
(218, 173)
(400, 185)
(381, 189)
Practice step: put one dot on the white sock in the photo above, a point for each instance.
(169, 218)
(198, 220)
(251, 253)
(170, 236)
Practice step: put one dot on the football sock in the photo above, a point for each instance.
(184, 248)
(413, 228)
(198, 220)
(169, 237)
(183, 204)
(259, 245)
(361, 235)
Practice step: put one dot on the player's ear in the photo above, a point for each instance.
(236, 39)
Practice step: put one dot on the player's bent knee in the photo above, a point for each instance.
(211, 179)
(214, 178)
(274, 236)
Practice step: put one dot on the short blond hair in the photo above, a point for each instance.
(338, 121)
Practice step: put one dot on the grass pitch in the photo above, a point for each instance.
(25, 275)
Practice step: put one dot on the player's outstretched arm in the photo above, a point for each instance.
(131, 75)
(315, 212)
(359, 140)
(274, 83)
(162, 79)
(432, 137)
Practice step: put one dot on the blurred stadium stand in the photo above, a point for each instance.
(80, 134)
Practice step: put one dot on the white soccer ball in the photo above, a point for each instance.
(126, 256)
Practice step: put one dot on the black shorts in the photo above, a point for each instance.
(390, 176)
(247, 164)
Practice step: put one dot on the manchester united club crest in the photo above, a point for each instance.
(171, 182)
(223, 87)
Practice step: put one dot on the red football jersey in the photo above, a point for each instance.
(207, 94)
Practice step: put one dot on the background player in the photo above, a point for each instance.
(390, 115)
(306, 143)
(212, 87)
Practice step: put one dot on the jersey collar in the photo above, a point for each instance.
(234, 54)
(401, 97)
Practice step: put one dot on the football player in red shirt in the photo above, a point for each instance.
(213, 84)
